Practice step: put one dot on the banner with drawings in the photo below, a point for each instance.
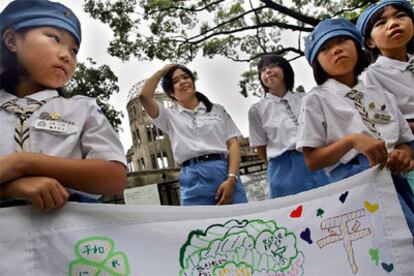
(353, 227)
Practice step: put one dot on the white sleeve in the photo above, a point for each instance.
(231, 129)
(257, 134)
(312, 123)
(163, 119)
(98, 139)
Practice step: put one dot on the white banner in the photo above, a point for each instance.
(353, 227)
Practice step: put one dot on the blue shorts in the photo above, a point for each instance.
(288, 174)
(75, 197)
(358, 164)
(410, 179)
(405, 195)
(200, 181)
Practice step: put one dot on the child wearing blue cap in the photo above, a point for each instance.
(273, 126)
(387, 28)
(203, 136)
(347, 126)
(53, 148)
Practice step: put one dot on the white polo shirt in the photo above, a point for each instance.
(391, 75)
(326, 116)
(194, 133)
(88, 134)
(271, 125)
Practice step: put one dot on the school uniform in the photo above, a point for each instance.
(273, 122)
(63, 127)
(327, 115)
(198, 140)
(397, 77)
(394, 76)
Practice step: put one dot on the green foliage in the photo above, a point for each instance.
(100, 83)
(120, 17)
(241, 30)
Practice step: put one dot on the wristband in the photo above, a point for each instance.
(232, 175)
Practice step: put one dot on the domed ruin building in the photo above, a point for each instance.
(151, 147)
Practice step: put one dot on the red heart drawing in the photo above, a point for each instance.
(297, 212)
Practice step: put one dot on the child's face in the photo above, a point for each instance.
(184, 88)
(49, 55)
(391, 32)
(338, 57)
(272, 76)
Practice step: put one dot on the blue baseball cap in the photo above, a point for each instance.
(366, 16)
(37, 13)
(325, 30)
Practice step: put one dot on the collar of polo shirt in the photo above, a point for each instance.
(200, 107)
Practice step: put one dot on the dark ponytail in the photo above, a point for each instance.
(202, 98)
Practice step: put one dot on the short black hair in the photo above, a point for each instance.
(167, 85)
(289, 75)
(11, 70)
(363, 61)
(370, 25)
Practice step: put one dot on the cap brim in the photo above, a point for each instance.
(41, 22)
(324, 38)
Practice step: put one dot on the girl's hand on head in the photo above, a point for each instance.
(44, 193)
(164, 70)
(400, 161)
(373, 149)
(224, 193)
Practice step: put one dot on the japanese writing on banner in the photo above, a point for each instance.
(353, 227)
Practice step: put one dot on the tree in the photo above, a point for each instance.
(97, 82)
(241, 30)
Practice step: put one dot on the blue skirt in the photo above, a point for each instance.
(288, 174)
(200, 181)
(405, 195)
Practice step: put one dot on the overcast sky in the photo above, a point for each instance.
(217, 78)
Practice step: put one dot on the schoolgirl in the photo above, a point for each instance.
(387, 28)
(204, 138)
(273, 126)
(340, 130)
(52, 148)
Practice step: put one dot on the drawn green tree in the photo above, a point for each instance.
(250, 247)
